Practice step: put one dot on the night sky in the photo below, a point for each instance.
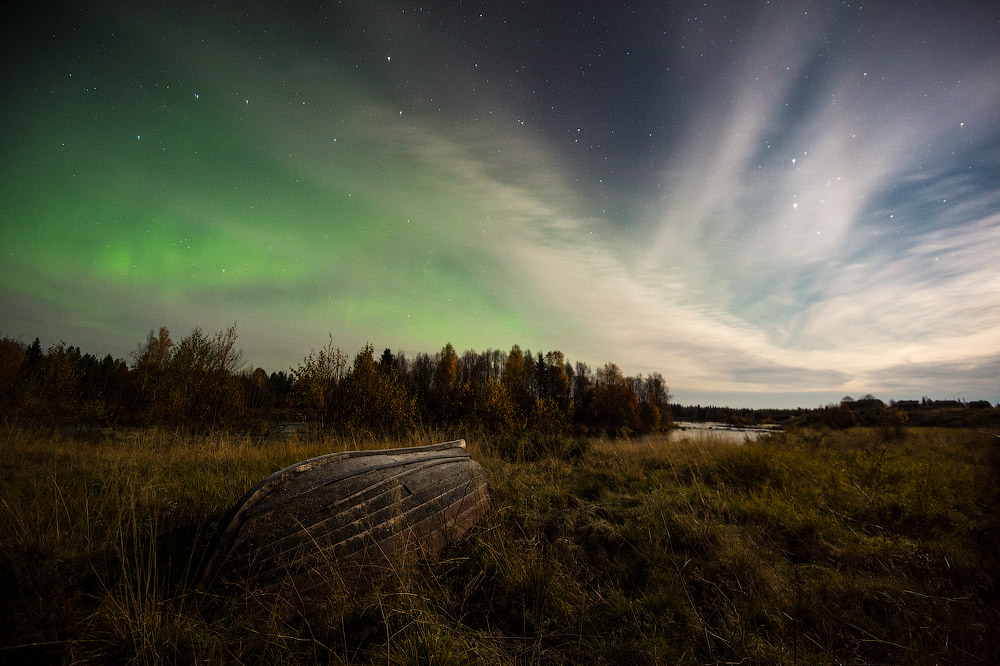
(770, 203)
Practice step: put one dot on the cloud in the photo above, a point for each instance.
(972, 379)
(821, 216)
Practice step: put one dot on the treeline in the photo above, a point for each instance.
(201, 383)
(870, 411)
(197, 384)
(737, 416)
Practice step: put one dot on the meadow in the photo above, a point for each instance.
(813, 546)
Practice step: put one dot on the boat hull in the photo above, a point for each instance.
(348, 515)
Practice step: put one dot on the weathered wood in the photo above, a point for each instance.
(344, 514)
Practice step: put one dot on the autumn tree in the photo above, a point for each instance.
(402, 367)
(657, 391)
(655, 407)
(517, 378)
(614, 405)
(495, 360)
(257, 391)
(150, 367)
(582, 390)
(205, 391)
(316, 384)
(637, 386)
(557, 381)
(421, 378)
(531, 380)
(375, 400)
(446, 376)
(472, 368)
(892, 423)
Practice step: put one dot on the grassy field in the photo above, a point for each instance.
(811, 547)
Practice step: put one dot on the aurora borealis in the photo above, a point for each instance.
(770, 203)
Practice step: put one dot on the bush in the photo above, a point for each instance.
(892, 424)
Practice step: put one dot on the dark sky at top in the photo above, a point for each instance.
(768, 202)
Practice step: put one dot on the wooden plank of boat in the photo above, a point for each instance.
(346, 514)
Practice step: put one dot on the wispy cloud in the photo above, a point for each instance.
(782, 218)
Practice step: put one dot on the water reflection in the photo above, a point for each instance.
(711, 430)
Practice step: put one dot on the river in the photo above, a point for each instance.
(712, 430)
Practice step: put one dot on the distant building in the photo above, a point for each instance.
(946, 403)
(980, 404)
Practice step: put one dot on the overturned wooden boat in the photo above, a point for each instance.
(345, 515)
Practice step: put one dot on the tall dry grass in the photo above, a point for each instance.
(811, 547)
